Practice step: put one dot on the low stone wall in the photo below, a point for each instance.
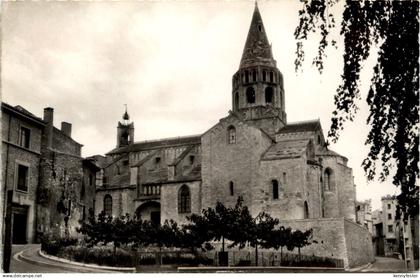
(358, 244)
(337, 238)
(328, 232)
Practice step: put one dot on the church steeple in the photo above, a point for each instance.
(257, 87)
(125, 131)
(257, 49)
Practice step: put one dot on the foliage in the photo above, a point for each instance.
(392, 27)
(219, 223)
(53, 244)
(98, 255)
(299, 239)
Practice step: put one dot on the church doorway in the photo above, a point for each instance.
(149, 211)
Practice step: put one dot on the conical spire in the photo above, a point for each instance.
(257, 50)
(126, 117)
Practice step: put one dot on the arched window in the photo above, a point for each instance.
(328, 180)
(124, 138)
(264, 75)
(246, 77)
(108, 204)
(231, 134)
(305, 210)
(250, 95)
(236, 101)
(275, 188)
(269, 95)
(231, 188)
(254, 75)
(271, 77)
(184, 199)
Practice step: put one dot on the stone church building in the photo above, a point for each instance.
(279, 167)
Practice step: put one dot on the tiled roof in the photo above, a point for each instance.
(155, 144)
(300, 127)
(286, 149)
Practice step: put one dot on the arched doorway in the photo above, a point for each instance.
(149, 211)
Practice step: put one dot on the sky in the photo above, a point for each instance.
(171, 62)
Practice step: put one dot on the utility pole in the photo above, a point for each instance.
(7, 247)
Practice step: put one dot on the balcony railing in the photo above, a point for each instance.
(149, 191)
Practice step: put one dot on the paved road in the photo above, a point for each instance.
(30, 250)
(383, 264)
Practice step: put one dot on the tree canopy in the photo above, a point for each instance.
(393, 28)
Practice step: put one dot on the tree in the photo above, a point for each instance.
(279, 238)
(221, 222)
(300, 239)
(262, 227)
(394, 90)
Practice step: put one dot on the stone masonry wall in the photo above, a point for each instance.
(290, 176)
(12, 156)
(169, 201)
(65, 144)
(358, 244)
(340, 200)
(122, 201)
(223, 162)
(328, 232)
(60, 201)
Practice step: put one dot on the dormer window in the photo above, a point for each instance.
(231, 135)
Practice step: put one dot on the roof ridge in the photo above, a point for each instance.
(304, 122)
(168, 138)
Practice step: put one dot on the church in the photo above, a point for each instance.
(279, 167)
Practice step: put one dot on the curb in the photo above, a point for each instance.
(22, 258)
(360, 268)
(92, 266)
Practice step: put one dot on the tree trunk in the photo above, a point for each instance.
(223, 244)
(299, 253)
(281, 255)
(256, 254)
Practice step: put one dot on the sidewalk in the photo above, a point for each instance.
(386, 265)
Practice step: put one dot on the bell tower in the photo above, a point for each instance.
(125, 131)
(257, 86)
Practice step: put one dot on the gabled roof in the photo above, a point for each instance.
(65, 135)
(305, 126)
(141, 162)
(21, 112)
(286, 149)
(156, 144)
(115, 160)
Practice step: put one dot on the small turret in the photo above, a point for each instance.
(125, 131)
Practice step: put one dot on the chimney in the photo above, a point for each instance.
(49, 120)
(49, 115)
(66, 128)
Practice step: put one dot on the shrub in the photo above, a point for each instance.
(53, 245)
(99, 255)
